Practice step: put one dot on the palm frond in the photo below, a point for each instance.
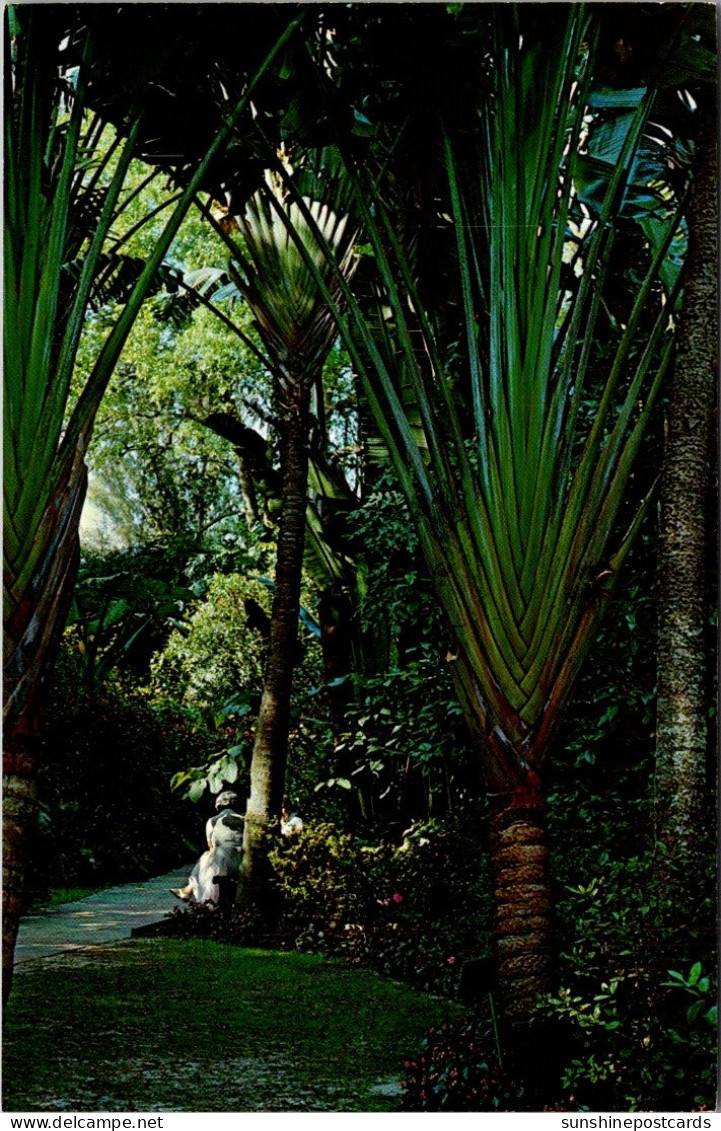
(56, 211)
(293, 318)
(515, 492)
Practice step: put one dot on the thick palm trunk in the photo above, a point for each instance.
(518, 851)
(270, 749)
(683, 812)
(39, 582)
(519, 857)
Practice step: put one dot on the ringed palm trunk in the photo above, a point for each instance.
(519, 855)
(683, 813)
(522, 897)
(270, 749)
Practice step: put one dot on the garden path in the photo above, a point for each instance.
(107, 916)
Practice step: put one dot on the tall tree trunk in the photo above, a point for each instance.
(519, 858)
(270, 749)
(683, 809)
(37, 598)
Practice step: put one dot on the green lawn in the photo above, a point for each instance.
(170, 1025)
(67, 895)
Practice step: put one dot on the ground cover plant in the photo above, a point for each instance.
(163, 1025)
(57, 896)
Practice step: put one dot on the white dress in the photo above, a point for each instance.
(224, 834)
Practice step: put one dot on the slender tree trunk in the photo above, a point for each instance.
(247, 488)
(683, 808)
(35, 614)
(519, 858)
(268, 764)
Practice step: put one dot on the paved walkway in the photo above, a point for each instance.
(107, 916)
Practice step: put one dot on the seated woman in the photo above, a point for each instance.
(209, 880)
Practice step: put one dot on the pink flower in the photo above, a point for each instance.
(397, 897)
(451, 961)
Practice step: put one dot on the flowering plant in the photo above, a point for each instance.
(457, 1070)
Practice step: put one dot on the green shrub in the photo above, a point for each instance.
(636, 1035)
(457, 1070)
(403, 751)
(416, 911)
(217, 652)
(106, 812)
(437, 892)
(321, 877)
(211, 673)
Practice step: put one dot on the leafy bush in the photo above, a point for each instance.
(458, 1070)
(438, 884)
(598, 780)
(397, 593)
(106, 813)
(125, 605)
(402, 752)
(416, 911)
(321, 878)
(219, 652)
(237, 926)
(211, 672)
(404, 745)
(636, 1035)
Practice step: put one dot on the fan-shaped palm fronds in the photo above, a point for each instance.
(527, 442)
(272, 273)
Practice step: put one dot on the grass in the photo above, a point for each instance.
(67, 895)
(171, 1025)
(40, 900)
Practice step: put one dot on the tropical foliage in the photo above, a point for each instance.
(373, 528)
(514, 446)
(293, 318)
(63, 194)
(517, 509)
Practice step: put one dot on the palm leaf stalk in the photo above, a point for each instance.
(297, 328)
(518, 514)
(58, 216)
